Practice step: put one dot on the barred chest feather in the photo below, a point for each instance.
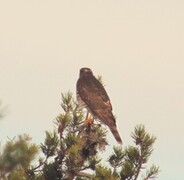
(82, 104)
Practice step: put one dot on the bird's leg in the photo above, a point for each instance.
(89, 118)
(87, 122)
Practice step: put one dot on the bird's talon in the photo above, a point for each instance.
(88, 120)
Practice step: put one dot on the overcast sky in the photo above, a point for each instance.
(137, 46)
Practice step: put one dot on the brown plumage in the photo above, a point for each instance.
(94, 96)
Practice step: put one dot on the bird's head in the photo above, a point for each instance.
(85, 72)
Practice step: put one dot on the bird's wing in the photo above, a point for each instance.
(93, 94)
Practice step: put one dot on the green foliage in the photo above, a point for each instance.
(50, 144)
(116, 158)
(17, 174)
(71, 151)
(152, 172)
(135, 157)
(103, 172)
(16, 157)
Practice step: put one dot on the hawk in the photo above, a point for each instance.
(92, 93)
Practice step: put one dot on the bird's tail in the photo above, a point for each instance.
(108, 119)
(116, 134)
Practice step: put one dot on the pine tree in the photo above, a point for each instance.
(71, 151)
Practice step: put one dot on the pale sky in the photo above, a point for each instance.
(137, 46)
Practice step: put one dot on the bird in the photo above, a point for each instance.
(92, 94)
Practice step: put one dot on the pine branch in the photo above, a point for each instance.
(72, 150)
(17, 156)
(152, 172)
(116, 158)
(136, 157)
